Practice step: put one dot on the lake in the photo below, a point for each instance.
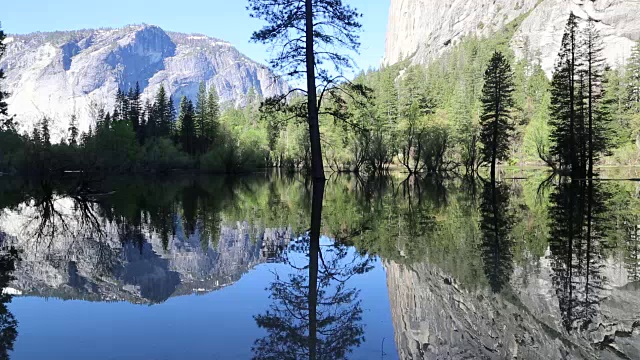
(269, 266)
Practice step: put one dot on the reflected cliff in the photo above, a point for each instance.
(526, 267)
(549, 272)
(140, 241)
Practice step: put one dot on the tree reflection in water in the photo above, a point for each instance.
(8, 323)
(314, 314)
(496, 224)
(577, 237)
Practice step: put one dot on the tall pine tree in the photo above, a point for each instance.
(597, 114)
(633, 79)
(496, 122)
(187, 130)
(73, 130)
(309, 34)
(163, 114)
(563, 100)
(151, 125)
(201, 112)
(135, 112)
(213, 116)
(121, 112)
(6, 121)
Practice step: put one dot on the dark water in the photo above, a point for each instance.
(252, 267)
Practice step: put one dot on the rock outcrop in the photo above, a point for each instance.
(58, 74)
(423, 29)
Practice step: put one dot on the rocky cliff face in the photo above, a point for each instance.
(423, 29)
(437, 318)
(61, 73)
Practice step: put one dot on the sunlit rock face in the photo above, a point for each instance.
(435, 317)
(424, 29)
(67, 257)
(541, 32)
(61, 73)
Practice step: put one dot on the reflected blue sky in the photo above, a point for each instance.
(217, 325)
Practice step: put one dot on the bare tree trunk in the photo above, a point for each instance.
(317, 168)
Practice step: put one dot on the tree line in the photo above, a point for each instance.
(479, 106)
(474, 106)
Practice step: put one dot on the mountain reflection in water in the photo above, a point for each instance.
(536, 268)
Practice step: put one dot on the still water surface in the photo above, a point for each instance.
(220, 268)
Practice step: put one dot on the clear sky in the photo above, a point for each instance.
(224, 19)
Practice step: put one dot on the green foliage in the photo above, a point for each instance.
(581, 115)
(432, 118)
(162, 155)
(74, 132)
(187, 125)
(428, 118)
(6, 121)
(633, 80)
(113, 149)
(496, 121)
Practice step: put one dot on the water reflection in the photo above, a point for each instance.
(150, 240)
(578, 215)
(496, 223)
(315, 314)
(533, 268)
(8, 323)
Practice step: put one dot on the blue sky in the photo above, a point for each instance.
(225, 19)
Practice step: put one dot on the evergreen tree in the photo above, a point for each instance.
(135, 111)
(563, 101)
(151, 125)
(45, 132)
(383, 122)
(36, 138)
(496, 122)
(114, 118)
(106, 123)
(308, 32)
(213, 116)
(171, 117)
(6, 121)
(162, 113)
(73, 131)
(633, 79)
(252, 107)
(413, 90)
(597, 114)
(121, 110)
(201, 112)
(186, 119)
